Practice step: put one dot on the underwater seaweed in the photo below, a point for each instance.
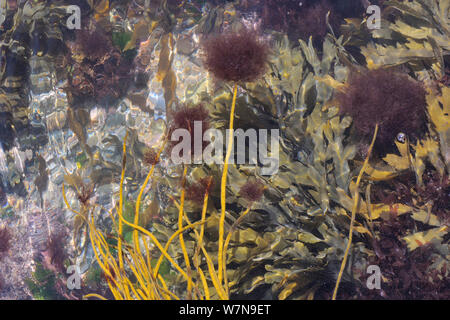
(299, 211)
(148, 229)
(5, 240)
(236, 56)
(14, 120)
(312, 22)
(85, 193)
(393, 100)
(414, 37)
(30, 31)
(55, 255)
(94, 43)
(436, 190)
(98, 70)
(407, 275)
(197, 190)
(184, 118)
(252, 190)
(42, 284)
(151, 280)
(433, 193)
(304, 19)
(151, 157)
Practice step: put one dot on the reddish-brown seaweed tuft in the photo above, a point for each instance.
(299, 19)
(98, 70)
(197, 190)
(393, 100)
(5, 240)
(151, 157)
(56, 250)
(185, 118)
(311, 22)
(252, 190)
(86, 191)
(407, 274)
(93, 43)
(236, 56)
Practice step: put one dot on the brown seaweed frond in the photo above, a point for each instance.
(354, 209)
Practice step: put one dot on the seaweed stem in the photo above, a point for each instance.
(180, 226)
(159, 246)
(148, 280)
(212, 272)
(355, 205)
(138, 201)
(227, 241)
(221, 266)
(120, 211)
(200, 238)
(94, 295)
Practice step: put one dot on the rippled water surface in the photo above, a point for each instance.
(347, 100)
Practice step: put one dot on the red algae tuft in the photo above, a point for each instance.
(393, 100)
(236, 56)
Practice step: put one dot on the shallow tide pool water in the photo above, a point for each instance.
(119, 180)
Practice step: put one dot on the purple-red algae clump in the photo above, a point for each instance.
(56, 250)
(393, 100)
(151, 157)
(98, 70)
(198, 190)
(406, 273)
(236, 56)
(185, 118)
(299, 19)
(252, 190)
(5, 240)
